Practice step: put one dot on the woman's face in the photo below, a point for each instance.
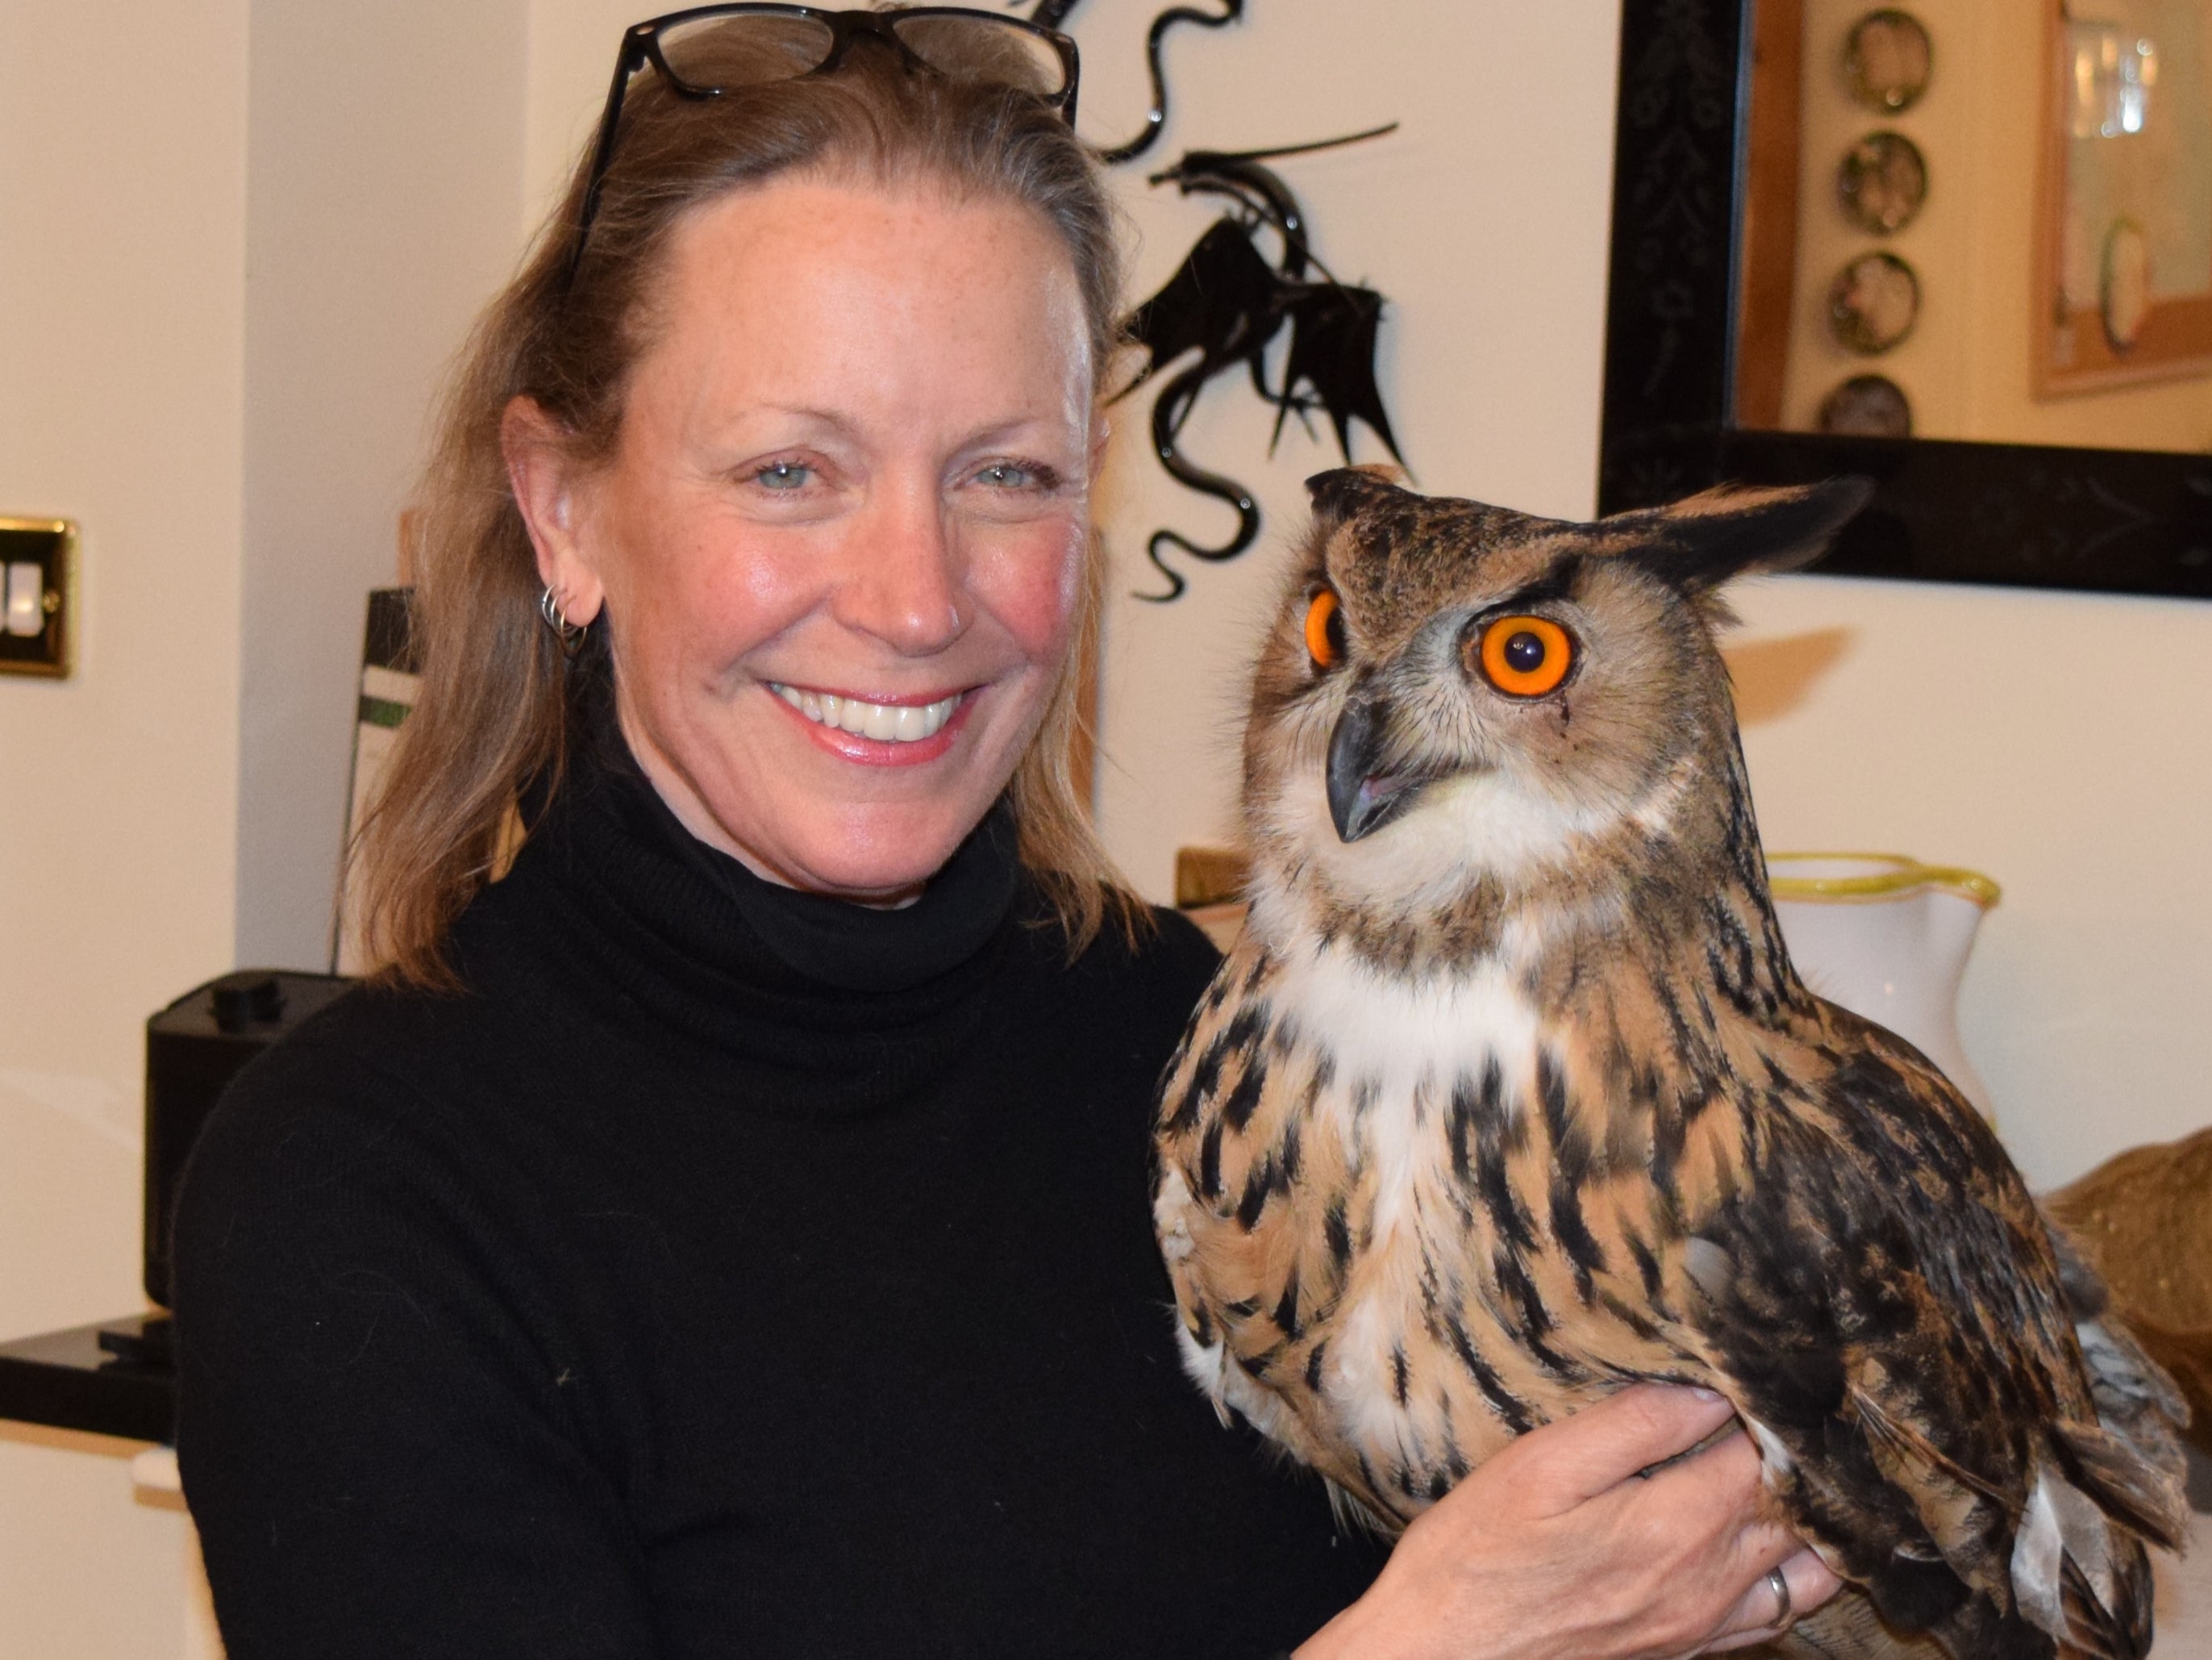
(841, 536)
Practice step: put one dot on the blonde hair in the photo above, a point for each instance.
(496, 716)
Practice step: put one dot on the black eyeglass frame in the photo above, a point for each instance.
(641, 47)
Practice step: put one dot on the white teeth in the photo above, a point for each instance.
(896, 723)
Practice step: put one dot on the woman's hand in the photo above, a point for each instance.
(1557, 1549)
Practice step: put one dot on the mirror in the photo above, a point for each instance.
(1961, 246)
(1979, 219)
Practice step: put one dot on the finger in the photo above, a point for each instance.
(1603, 1445)
(1721, 1481)
(1811, 1582)
(1764, 1611)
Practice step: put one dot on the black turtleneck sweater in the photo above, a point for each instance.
(730, 1272)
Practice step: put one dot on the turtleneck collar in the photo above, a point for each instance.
(826, 1007)
(855, 947)
(830, 941)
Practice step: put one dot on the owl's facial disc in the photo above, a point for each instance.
(1364, 794)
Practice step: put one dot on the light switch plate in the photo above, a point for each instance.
(38, 596)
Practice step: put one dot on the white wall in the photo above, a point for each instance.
(1986, 727)
(384, 178)
(572, 52)
(120, 321)
(123, 189)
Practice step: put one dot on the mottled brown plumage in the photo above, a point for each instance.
(1509, 1095)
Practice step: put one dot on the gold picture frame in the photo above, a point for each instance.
(2124, 254)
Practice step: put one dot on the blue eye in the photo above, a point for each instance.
(1007, 475)
(784, 475)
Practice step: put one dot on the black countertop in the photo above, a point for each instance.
(112, 1378)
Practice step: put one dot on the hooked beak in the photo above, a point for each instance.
(1361, 799)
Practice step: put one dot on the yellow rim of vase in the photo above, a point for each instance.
(1909, 875)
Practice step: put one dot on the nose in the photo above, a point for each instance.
(903, 581)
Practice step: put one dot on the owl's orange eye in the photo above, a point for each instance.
(1526, 656)
(1325, 630)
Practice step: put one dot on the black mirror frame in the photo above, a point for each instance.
(2024, 515)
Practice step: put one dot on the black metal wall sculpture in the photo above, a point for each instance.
(1053, 14)
(1229, 304)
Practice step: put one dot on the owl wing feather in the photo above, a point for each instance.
(1882, 1300)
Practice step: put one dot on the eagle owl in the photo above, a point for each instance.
(1509, 1095)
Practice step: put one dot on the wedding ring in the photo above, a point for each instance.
(1784, 1609)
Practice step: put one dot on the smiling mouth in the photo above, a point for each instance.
(888, 723)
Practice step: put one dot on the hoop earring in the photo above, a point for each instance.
(570, 635)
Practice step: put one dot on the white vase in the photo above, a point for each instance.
(1887, 937)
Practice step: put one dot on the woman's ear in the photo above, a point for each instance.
(543, 473)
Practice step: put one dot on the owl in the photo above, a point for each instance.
(1508, 1095)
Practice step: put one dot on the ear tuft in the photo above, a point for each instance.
(1341, 492)
(1699, 544)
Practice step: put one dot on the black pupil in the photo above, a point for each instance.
(1524, 653)
(1334, 628)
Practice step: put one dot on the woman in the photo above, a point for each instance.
(726, 1233)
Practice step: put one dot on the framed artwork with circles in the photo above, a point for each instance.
(1792, 298)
